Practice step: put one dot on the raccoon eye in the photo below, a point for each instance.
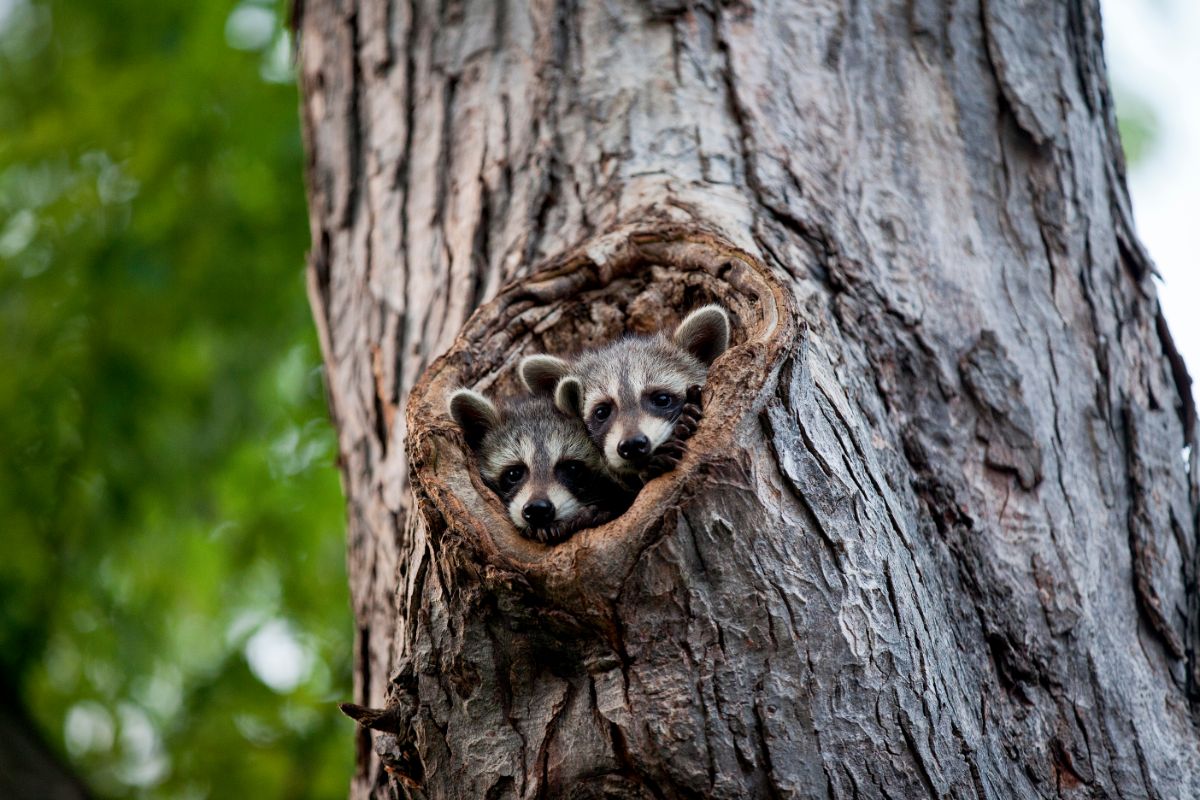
(512, 476)
(601, 412)
(661, 400)
(572, 469)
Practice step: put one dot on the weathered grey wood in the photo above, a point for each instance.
(937, 537)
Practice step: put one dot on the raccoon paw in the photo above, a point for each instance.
(665, 459)
(593, 516)
(550, 535)
(540, 535)
(690, 415)
(559, 533)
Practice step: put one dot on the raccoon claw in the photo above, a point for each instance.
(597, 516)
(665, 459)
(557, 534)
(671, 452)
(673, 449)
(690, 415)
(656, 467)
(685, 426)
(550, 535)
(542, 535)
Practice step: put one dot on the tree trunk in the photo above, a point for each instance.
(29, 768)
(936, 536)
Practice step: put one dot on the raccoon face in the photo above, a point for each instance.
(629, 396)
(539, 462)
(629, 393)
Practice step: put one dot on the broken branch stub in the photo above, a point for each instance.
(624, 282)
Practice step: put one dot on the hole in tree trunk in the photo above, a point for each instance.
(623, 282)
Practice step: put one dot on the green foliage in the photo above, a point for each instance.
(173, 605)
(1137, 124)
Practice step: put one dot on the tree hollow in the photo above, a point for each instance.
(636, 282)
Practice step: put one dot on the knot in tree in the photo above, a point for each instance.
(629, 281)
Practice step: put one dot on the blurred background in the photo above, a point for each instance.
(174, 613)
(1153, 52)
(174, 616)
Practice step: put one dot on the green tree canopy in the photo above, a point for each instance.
(173, 605)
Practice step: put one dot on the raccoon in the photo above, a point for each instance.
(639, 396)
(540, 463)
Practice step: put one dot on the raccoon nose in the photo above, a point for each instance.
(634, 447)
(538, 512)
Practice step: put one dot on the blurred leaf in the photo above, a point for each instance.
(1137, 123)
(173, 602)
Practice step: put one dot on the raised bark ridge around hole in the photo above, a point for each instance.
(637, 282)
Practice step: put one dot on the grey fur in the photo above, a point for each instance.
(532, 431)
(541, 373)
(474, 413)
(531, 434)
(704, 333)
(568, 396)
(621, 375)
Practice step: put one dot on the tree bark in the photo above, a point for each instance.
(936, 536)
(29, 767)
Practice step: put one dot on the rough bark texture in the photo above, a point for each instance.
(29, 768)
(937, 536)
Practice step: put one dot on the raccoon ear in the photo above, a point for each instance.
(704, 333)
(475, 414)
(569, 397)
(541, 373)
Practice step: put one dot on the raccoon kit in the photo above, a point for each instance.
(541, 464)
(639, 397)
(575, 452)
